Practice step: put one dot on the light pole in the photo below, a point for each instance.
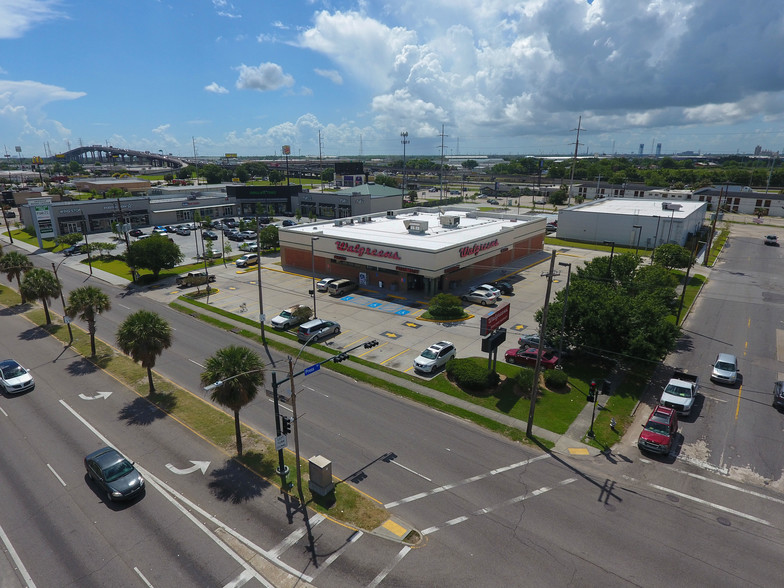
(542, 328)
(639, 234)
(66, 319)
(566, 302)
(313, 272)
(261, 297)
(612, 251)
(405, 142)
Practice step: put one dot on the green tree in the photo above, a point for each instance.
(268, 237)
(384, 180)
(87, 302)
(241, 172)
(239, 372)
(671, 256)
(155, 254)
(275, 177)
(214, 174)
(144, 335)
(446, 306)
(470, 163)
(69, 239)
(41, 284)
(328, 175)
(13, 264)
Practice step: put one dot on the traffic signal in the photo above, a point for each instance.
(370, 344)
(592, 392)
(285, 425)
(340, 357)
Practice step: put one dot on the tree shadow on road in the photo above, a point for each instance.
(235, 483)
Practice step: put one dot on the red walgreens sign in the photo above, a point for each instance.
(493, 319)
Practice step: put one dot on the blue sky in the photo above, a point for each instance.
(501, 76)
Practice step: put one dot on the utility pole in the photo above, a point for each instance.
(442, 164)
(405, 142)
(538, 368)
(574, 161)
(713, 228)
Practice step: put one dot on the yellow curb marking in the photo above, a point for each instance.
(393, 527)
(578, 451)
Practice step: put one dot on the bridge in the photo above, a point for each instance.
(119, 156)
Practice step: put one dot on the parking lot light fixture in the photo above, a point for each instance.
(612, 251)
(639, 234)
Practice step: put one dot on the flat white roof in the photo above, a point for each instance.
(391, 231)
(640, 207)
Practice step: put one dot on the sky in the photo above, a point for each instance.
(345, 78)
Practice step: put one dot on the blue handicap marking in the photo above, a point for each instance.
(347, 298)
(374, 304)
(402, 312)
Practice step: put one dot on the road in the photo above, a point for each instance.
(491, 511)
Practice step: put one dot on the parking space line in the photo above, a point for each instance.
(394, 356)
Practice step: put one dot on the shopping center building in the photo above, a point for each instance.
(422, 249)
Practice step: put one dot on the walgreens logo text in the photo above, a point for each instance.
(474, 249)
(361, 250)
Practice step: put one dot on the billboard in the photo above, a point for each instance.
(349, 168)
(286, 149)
(493, 319)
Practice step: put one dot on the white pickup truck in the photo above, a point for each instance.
(680, 392)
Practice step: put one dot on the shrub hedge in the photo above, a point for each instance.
(467, 374)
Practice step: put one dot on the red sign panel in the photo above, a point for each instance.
(493, 319)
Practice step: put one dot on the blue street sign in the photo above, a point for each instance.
(309, 370)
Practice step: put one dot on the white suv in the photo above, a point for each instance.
(435, 357)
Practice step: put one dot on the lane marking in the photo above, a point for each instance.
(383, 573)
(354, 538)
(465, 481)
(56, 475)
(732, 487)
(17, 560)
(737, 408)
(196, 362)
(293, 537)
(145, 580)
(711, 504)
(412, 471)
(489, 509)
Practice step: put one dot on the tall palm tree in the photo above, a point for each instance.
(13, 264)
(144, 335)
(87, 302)
(241, 371)
(43, 285)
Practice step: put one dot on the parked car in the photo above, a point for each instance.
(341, 287)
(435, 357)
(317, 329)
(658, 433)
(248, 259)
(488, 288)
(159, 231)
(772, 240)
(482, 297)
(250, 247)
(14, 377)
(265, 220)
(248, 235)
(136, 233)
(288, 223)
(183, 230)
(530, 340)
(74, 250)
(289, 318)
(232, 235)
(505, 288)
(778, 395)
(527, 356)
(493, 201)
(550, 228)
(211, 235)
(194, 279)
(432, 190)
(725, 369)
(323, 284)
(116, 476)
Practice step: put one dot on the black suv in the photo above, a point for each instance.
(778, 395)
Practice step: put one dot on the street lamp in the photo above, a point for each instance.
(313, 271)
(639, 234)
(612, 251)
(405, 141)
(566, 302)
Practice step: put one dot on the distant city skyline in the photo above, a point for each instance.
(344, 78)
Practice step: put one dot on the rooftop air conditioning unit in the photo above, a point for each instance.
(338, 223)
(450, 220)
(391, 213)
(416, 226)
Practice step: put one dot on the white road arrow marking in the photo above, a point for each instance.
(98, 396)
(197, 465)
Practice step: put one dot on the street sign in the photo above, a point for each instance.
(314, 368)
(281, 442)
(493, 319)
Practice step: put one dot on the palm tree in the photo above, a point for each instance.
(240, 371)
(144, 335)
(13, 264)
(87, 302)
(40, 284)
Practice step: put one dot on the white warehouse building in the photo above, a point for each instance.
(627, 223)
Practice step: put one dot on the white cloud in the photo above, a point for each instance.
(331, 74)
(16, 18)
(265, 77)
(216, 88)
(162, 132)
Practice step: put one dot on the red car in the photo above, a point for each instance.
(527, 356)
(659, 432)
